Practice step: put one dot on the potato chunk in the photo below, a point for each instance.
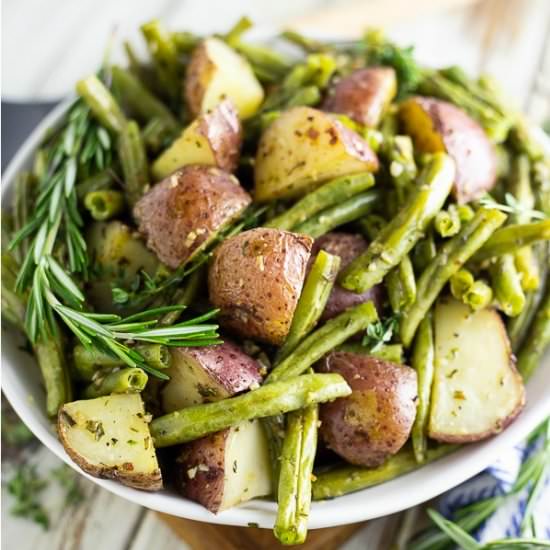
(180, 215)
(302, 149)
(375, 421)
(364, 95)
(477, 390)
(256, 278)
(205, 374)
(216, 72)
(436, 125)
(213, 139)
(109, 437)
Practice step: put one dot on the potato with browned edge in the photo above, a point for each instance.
(364, 95)
(375, 421)
(183, 213)
(205, 374)
(302, 149)
(436, 125)
(256, 278)
(214, 139)
(347, 246)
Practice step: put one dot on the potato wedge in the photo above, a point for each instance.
(347, 246)
(225, 468)
(255, 278)
(180, 215)
(109, 437)
(477, 390)
(436, 125)
(303, 148)
(375, 421)
(217, 72)
(205, 374)
(214, 139)
(364, 95)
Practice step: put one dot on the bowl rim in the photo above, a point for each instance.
(390, 497)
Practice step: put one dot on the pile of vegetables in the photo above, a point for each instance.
(288, 276)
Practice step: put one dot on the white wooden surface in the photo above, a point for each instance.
(47, 45)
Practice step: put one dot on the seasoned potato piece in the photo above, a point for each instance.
(204, 374)
(180, 215)
(216, 72)
(109, 437)
(436, 125)
(375, 421)
(477, 390)
(213, 139)
(119, 256)
(226, 468)
(348, 246)
(303, 148)
(364, 95)
(256, 278)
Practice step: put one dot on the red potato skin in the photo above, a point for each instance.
(182, 212)
(347, 246)
(375, 421)
(255, 278)
(363, 95)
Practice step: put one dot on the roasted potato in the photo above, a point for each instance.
(226, 468)
(347, 246)
(256, 278)
(477, 390)
(180, 215)
(217, 72)
(120, 255)
(214, 139)
(364, 95)
(204, 374)
(375, 421)
(109, 437)
(303, 148)
(436, 125)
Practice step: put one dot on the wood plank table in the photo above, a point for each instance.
(507, 38)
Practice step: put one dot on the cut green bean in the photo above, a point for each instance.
(98, 182)
(128, 380)
(333, 333)
(451, 257)
(405, 229)
(315, 293)
(478, 296)
(388, 352)
(308, 96)
(465, 213)
(506, 283)
(104, 204)
(294, 492)
(401, 285)
(329, 194)
(424, 252)
(447, 222)
(354, 208)
(268, 400)
(133, 159)
(423, 362)
(185, 42)
(155, 355)
(102, 104)
(460, 283)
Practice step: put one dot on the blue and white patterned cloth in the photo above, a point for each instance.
(497, 480)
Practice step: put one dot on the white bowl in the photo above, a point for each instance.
(21, 382)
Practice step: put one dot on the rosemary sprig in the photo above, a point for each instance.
(511, 206)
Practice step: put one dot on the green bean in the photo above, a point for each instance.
(155, 355)
(350, 210)
(294, 493)
(133, 159)
(22, 209)
(307, 44)
(13, 306)
(98, 182)
(506, 283)
(265, 61)
(399, 152)
(104, 204)
(465, 213)
(401, 285)
(184, 296)
(329, 194)
(447, 222)
(308, 95)
(102, 104)
(128, 380)
(333, 333)
(450, 258)
(185, 42)
(478, 296)
(527, 266)
(315, 293)
(349, 479)
(371, 226)
(40, 164)
(389, 352)
(513, 237)
(268, 400)
(141, 101)
(460, 283)
(537, 339)
(423, 358)
(541, 185)
(405, 229)
(424, 251)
